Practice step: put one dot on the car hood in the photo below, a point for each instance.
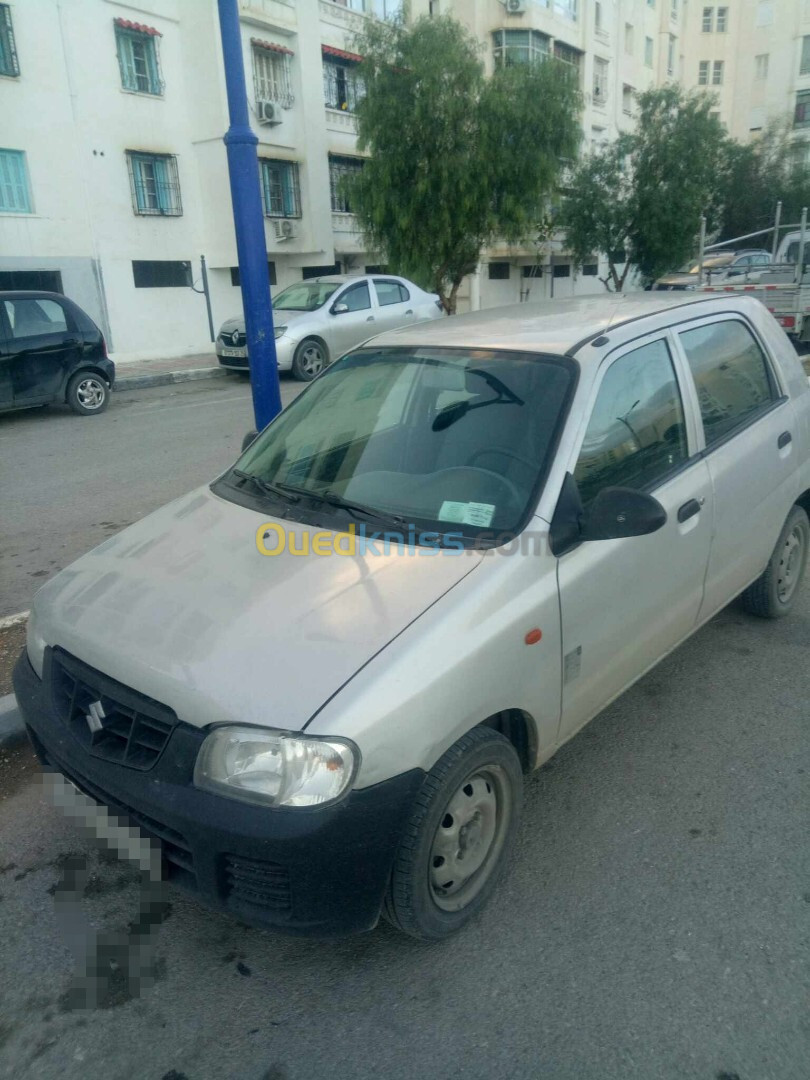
(182, 607)
(280, 318)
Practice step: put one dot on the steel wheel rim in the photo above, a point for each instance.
(90, 393)
(470, 838)
(791, 564)
(312, 360)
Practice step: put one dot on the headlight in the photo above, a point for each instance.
(280, 331)
(275, 768)
(35, 645)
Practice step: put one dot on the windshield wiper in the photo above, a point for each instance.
(353, 508)
(281, 491)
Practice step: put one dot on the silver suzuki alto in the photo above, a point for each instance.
(319, 681)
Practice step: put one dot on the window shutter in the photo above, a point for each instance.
(140, 186)
(288, 195)
(13, 183)
(162, 193)
(126, 62)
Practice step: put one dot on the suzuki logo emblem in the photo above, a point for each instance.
(95, 716)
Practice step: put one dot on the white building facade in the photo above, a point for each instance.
(113, 173)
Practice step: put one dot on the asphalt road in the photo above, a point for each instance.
(654, 925)
(68, 482)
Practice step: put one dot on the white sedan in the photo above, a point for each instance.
(317, 321)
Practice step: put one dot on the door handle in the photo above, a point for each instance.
(370, 318)
(409, 311)
(784, 439)
(688, 510)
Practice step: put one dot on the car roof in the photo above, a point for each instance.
(556, 326)
(30, 294)
(343, 279)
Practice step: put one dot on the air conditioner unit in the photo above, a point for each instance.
(269, 112)
(515, 7)
(284, 229)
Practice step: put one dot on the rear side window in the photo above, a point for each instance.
(391, 292)
(731, 375)
(636, 434)
(30, 317)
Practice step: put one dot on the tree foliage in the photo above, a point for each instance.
(758, 174)
(646, 193)
(455, 159)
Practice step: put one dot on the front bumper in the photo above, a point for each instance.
(285, 351)
(321, 872)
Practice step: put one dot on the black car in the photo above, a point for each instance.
(51, 351)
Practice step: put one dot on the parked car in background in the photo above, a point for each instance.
(472, 536)
(320, 319)
(718, 267)
(51, 351)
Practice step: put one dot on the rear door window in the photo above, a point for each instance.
(390, 292)
(637, 432)
(731, 375)
(30, 317)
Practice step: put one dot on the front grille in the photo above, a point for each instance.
(110, 720)
(227, 340)
(261, 884)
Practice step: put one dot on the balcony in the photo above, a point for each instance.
(272, 14)
(340, 120)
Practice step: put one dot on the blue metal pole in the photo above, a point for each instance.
(248, 219)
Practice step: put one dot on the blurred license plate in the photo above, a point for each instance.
(226, 350)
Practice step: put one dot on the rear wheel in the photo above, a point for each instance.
(774, 593)
(458, 840)
(87, 393)
(310, 359)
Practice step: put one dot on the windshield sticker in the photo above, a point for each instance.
(467, 513)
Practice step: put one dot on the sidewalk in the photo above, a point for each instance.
(138, 374)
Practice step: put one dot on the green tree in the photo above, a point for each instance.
(598, 211)
(455, 159)
(757, 175)
(652, 186)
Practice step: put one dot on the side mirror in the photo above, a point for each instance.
(618, 512)
(249, 438)
(339, 309)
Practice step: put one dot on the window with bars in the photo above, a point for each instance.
(9, 65)
(804, 67)
(761, 65)
(801, 114)
(281, 191)
(271, 75)
(722, 20)
(343, 86)
(567, 54)
(138, 61)
(155, 184)
(340, 168)
(15, 195)
(600, 81)
(510, 47)
(703, 73)
(648, 52)
(673, 10)
(707, 24)
(717, 73)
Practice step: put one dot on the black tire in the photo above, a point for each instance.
(311, 357)
(87, 393)
(773, 595)
(416, 903)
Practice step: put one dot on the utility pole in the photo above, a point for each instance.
(248, 219)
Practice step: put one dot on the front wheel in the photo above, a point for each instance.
(458, 840)
(310, 360)
(87, 393)
(774, 593)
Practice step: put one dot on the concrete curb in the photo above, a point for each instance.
(12, 728)
(165, 378)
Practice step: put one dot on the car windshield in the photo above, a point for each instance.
(304, 296)
(449, 440)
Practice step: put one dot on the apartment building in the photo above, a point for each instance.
(113, 174)
(755, 56)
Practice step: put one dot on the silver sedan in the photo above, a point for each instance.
(316, 321)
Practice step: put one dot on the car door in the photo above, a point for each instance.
(395, 306)
(353, 318)
(6, 395)
(748, 428)
(624, 603)
(44, 344)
